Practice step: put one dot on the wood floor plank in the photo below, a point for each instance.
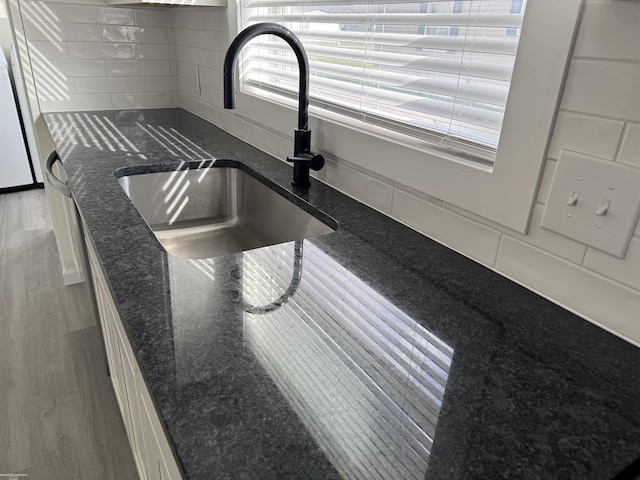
(42, 264)
(98, 405)
(58, 414)
(48, 360)
(14, 387)
(34, 209)
(51, 434)
(9, 221)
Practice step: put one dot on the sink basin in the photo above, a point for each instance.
(209, 212)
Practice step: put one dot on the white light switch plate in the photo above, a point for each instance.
(594, 182)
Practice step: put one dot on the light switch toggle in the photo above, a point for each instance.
(573, 200)
(604, 208)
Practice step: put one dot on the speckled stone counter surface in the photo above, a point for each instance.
(394, 357)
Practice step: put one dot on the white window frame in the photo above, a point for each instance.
(504, 193)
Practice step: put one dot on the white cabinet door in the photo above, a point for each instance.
(106, 323)
(120, 364)
(160, 461)
(152, 453)
(129, 382)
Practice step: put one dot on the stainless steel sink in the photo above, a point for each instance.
(209, 212)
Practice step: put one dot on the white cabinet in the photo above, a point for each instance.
(151, 451)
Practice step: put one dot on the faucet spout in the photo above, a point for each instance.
(296, 45)
(303, 159)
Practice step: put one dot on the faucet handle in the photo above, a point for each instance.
(314, 160)
(301, 165)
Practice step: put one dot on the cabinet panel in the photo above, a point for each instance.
(153, 455)
(135, 435)
(160, 462)
(105, 315)
(122, 377)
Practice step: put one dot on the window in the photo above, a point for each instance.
(502, 188)
(438, 70)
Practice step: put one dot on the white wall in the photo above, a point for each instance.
(92, 57)
(600, 116)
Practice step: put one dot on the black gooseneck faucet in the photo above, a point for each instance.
(303, 159)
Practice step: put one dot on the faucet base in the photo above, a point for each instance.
(301, 174)
(301, 166)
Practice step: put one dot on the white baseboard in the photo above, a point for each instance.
(72, 276)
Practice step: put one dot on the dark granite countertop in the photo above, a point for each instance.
(394, 358)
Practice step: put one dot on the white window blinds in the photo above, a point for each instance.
(439, 70)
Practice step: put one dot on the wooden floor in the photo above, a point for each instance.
(58, 414)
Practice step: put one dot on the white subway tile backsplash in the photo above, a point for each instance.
(600, 300)
(550, 242)
(546, 240)
(185, 85)
(49, 50)
(127, 34)
(52, 86)
(630, 148)
(460, 211)
(367, 189)
(108, 84)
(156, 52)
(186, 70)
(142, 100)
(208, 39)
(212, 78)
(121, 51)
(194, 38)
(201, 19)
(471, 238)
(605, 88)
(625, 270)
(285, 149)
(41, 12)
(187, 102)
(79, 68)
(144, 68)
(159, 84)
(585, 134)
(260, 138)
(228, 122)
(210, 113)
(153, 17)
(211, 96)
(63, 32)
(609, 30)
(97, 14)
(86, 57)
(82, 102)
(204, 58)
